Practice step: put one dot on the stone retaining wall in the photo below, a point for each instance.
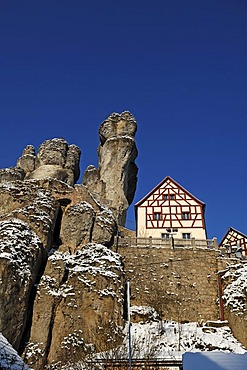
(180, 284)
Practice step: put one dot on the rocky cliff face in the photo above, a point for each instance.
(55, 159)
(116, 177)
(61, 291)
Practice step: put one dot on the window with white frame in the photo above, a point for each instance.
(186, 235)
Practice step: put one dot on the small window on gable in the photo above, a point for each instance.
(157, 216)
(185, 215)
(186, 235)
(165, 196)
(172, 196)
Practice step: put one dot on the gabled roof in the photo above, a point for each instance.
(235, 231)
(177, 184)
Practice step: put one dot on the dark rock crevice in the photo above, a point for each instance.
(30, 305)
(57, 228)
(55, 306)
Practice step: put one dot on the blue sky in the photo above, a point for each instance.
(180, 67)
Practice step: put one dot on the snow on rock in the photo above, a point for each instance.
(19, 245)
(92, 260)
(143, 313)
(9, 358)
(80, 300)
(29, 203)
(235, 293)
(20, 259)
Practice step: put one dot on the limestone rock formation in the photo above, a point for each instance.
(17, 276)
(82, 224)
(61, 285)
(27, 161)
(77, 224)
(27, 221)
(11, 174)
(55, 159)
(79, 302)
(116, 177)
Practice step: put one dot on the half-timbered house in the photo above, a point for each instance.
(235, 242)
(169, 210)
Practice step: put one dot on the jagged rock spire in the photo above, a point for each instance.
(116, 177)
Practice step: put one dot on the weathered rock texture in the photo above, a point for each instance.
(116, 177)
(61, 287)
(27, 219)
(84, 292)
(55, 159)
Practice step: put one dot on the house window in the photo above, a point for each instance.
(185, 215)
(165, 196)
(157, 216)
(165, 236)
(186, 235)
(172, 196)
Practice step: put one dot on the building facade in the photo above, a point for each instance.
(169, 210)
(235, 242)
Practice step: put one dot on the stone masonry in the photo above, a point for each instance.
(180, 284)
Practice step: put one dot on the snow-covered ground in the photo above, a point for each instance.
(170, 340)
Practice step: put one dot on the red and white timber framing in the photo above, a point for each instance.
(234, 238)
(170, 208)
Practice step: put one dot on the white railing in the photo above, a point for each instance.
(170, 243)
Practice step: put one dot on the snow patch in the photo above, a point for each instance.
(18, 244)
(235, 293)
